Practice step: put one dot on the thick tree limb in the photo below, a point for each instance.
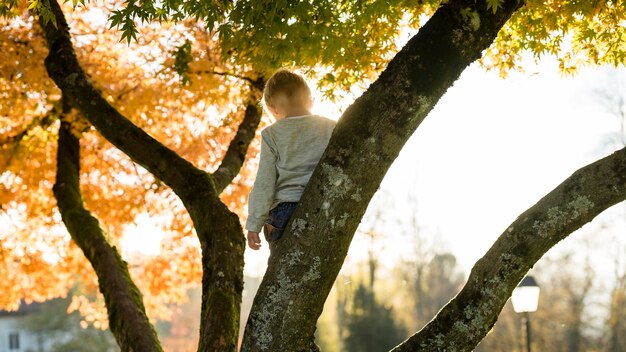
(236, 152)
(365, 142)
(64, 68)
(222, 242)
(463, 322)
(218, 229)
(127, 316)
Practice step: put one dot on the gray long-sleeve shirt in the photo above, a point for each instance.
(290, 150)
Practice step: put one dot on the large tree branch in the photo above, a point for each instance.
(367, 139)
(63, 67)
(222, 242)
(236, 152)
(463, 322)
(127, 316)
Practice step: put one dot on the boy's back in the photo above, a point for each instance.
(290, 150)
(298, 143)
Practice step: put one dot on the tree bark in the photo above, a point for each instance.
(127, 317)
(367, 139)
(218, 229)
(236, 152)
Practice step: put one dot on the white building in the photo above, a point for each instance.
(15, 339)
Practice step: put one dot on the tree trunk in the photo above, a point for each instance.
(218, 229)
(127, 316)
(367, 139)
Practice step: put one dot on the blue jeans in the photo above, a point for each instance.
(279, 217)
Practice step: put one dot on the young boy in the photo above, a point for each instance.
(290, 149)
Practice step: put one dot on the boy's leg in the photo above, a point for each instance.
(267, 231)
(279, 217)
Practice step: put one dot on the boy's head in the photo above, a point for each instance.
(287, 94)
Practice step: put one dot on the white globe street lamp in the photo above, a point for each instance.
(525, 300)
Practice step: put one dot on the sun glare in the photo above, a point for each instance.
(143, 238)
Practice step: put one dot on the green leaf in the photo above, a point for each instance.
(494, 5)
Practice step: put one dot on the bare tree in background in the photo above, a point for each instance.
(616, 321)
(612, 98)
(506, 335)
(432, 273)
(366, 317)
(576, 291)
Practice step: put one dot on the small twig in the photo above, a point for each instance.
(228, 74)
(126, 91)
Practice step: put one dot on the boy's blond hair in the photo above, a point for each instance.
(284, 82)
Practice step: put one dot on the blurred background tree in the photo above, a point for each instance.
(370, 325)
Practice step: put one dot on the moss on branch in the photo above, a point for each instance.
(127, 317)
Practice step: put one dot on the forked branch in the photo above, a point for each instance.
(217, 228)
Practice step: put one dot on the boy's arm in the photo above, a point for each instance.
(263, 191)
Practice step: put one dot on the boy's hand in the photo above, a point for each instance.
(254, 241)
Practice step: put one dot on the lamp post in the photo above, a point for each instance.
(525, 300)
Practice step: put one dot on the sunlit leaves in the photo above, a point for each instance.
(576, 33)
(43, 8)
(125, 20)
(494, 5)
(8, 8)
(355, 38)
(34, 4)
(197, 120)
(147, 11)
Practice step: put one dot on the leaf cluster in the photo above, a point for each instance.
(576, 33)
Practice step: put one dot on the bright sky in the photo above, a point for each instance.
(492, 148)
(489, 150)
